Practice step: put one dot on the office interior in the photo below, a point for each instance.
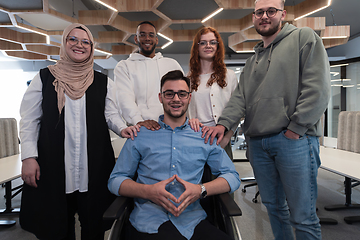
(178, 22)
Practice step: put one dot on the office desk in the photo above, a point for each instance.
(341, 162)
(10, 169)
(346, 164)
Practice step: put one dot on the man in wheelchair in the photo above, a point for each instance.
(169, 164)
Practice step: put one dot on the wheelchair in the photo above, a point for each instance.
(221, 210)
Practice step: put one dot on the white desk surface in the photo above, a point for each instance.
(341, 162)
(10, 168)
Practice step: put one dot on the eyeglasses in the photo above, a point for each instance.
(143, 35)
(203, 43)
(74, 41)
(169, 94)
(271, 12)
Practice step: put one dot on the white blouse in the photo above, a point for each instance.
(207, 103)
(76, 164)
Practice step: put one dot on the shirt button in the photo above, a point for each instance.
(213, 105)
(212, 94)
(173, 132)
(174, 148)
(173, 166)
(215, 115)
(172, 183)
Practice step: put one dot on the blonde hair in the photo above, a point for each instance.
(282, 2)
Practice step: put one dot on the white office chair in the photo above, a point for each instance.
(9, 141)
(9, 145)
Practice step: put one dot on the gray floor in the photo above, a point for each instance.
(254, 224)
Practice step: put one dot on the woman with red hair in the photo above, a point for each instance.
(211, 82)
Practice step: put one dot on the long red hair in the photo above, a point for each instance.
(218, 64)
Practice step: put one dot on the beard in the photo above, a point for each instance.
(266, 33)
(144, 51)
(177, 115)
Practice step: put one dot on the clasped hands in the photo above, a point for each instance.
(163, 198)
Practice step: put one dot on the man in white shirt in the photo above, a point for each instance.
(137, 79)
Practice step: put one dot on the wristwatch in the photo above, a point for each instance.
(203, 191)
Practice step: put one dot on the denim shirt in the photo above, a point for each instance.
(158, 155)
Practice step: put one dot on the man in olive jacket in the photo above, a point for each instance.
(283, 91)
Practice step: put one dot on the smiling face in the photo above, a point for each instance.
(146, 39)
(266, 26)
(175, 108)
(208, 51)
(78, 53)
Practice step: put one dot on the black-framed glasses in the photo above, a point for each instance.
(74, 41)
(203, 43)
(271, 12)
(143, 35)
(169, 94)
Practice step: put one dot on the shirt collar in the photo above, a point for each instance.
(165, 126)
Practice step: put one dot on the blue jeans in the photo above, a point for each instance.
(286, 170)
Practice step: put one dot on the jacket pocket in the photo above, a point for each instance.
(266, 116)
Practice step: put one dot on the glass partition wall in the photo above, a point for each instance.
(345, 92)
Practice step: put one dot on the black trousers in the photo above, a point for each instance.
(203, 231)
(77, 203)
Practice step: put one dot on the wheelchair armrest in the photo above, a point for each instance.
(228, 205)
(117, 208)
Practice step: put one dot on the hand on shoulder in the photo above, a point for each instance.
(195, 124)
(149, 124)
(212, 132)
(130, 132)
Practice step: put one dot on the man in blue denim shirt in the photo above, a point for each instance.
(170, 163)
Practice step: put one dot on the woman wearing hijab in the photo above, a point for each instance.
(65, 144)
(211, 82)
